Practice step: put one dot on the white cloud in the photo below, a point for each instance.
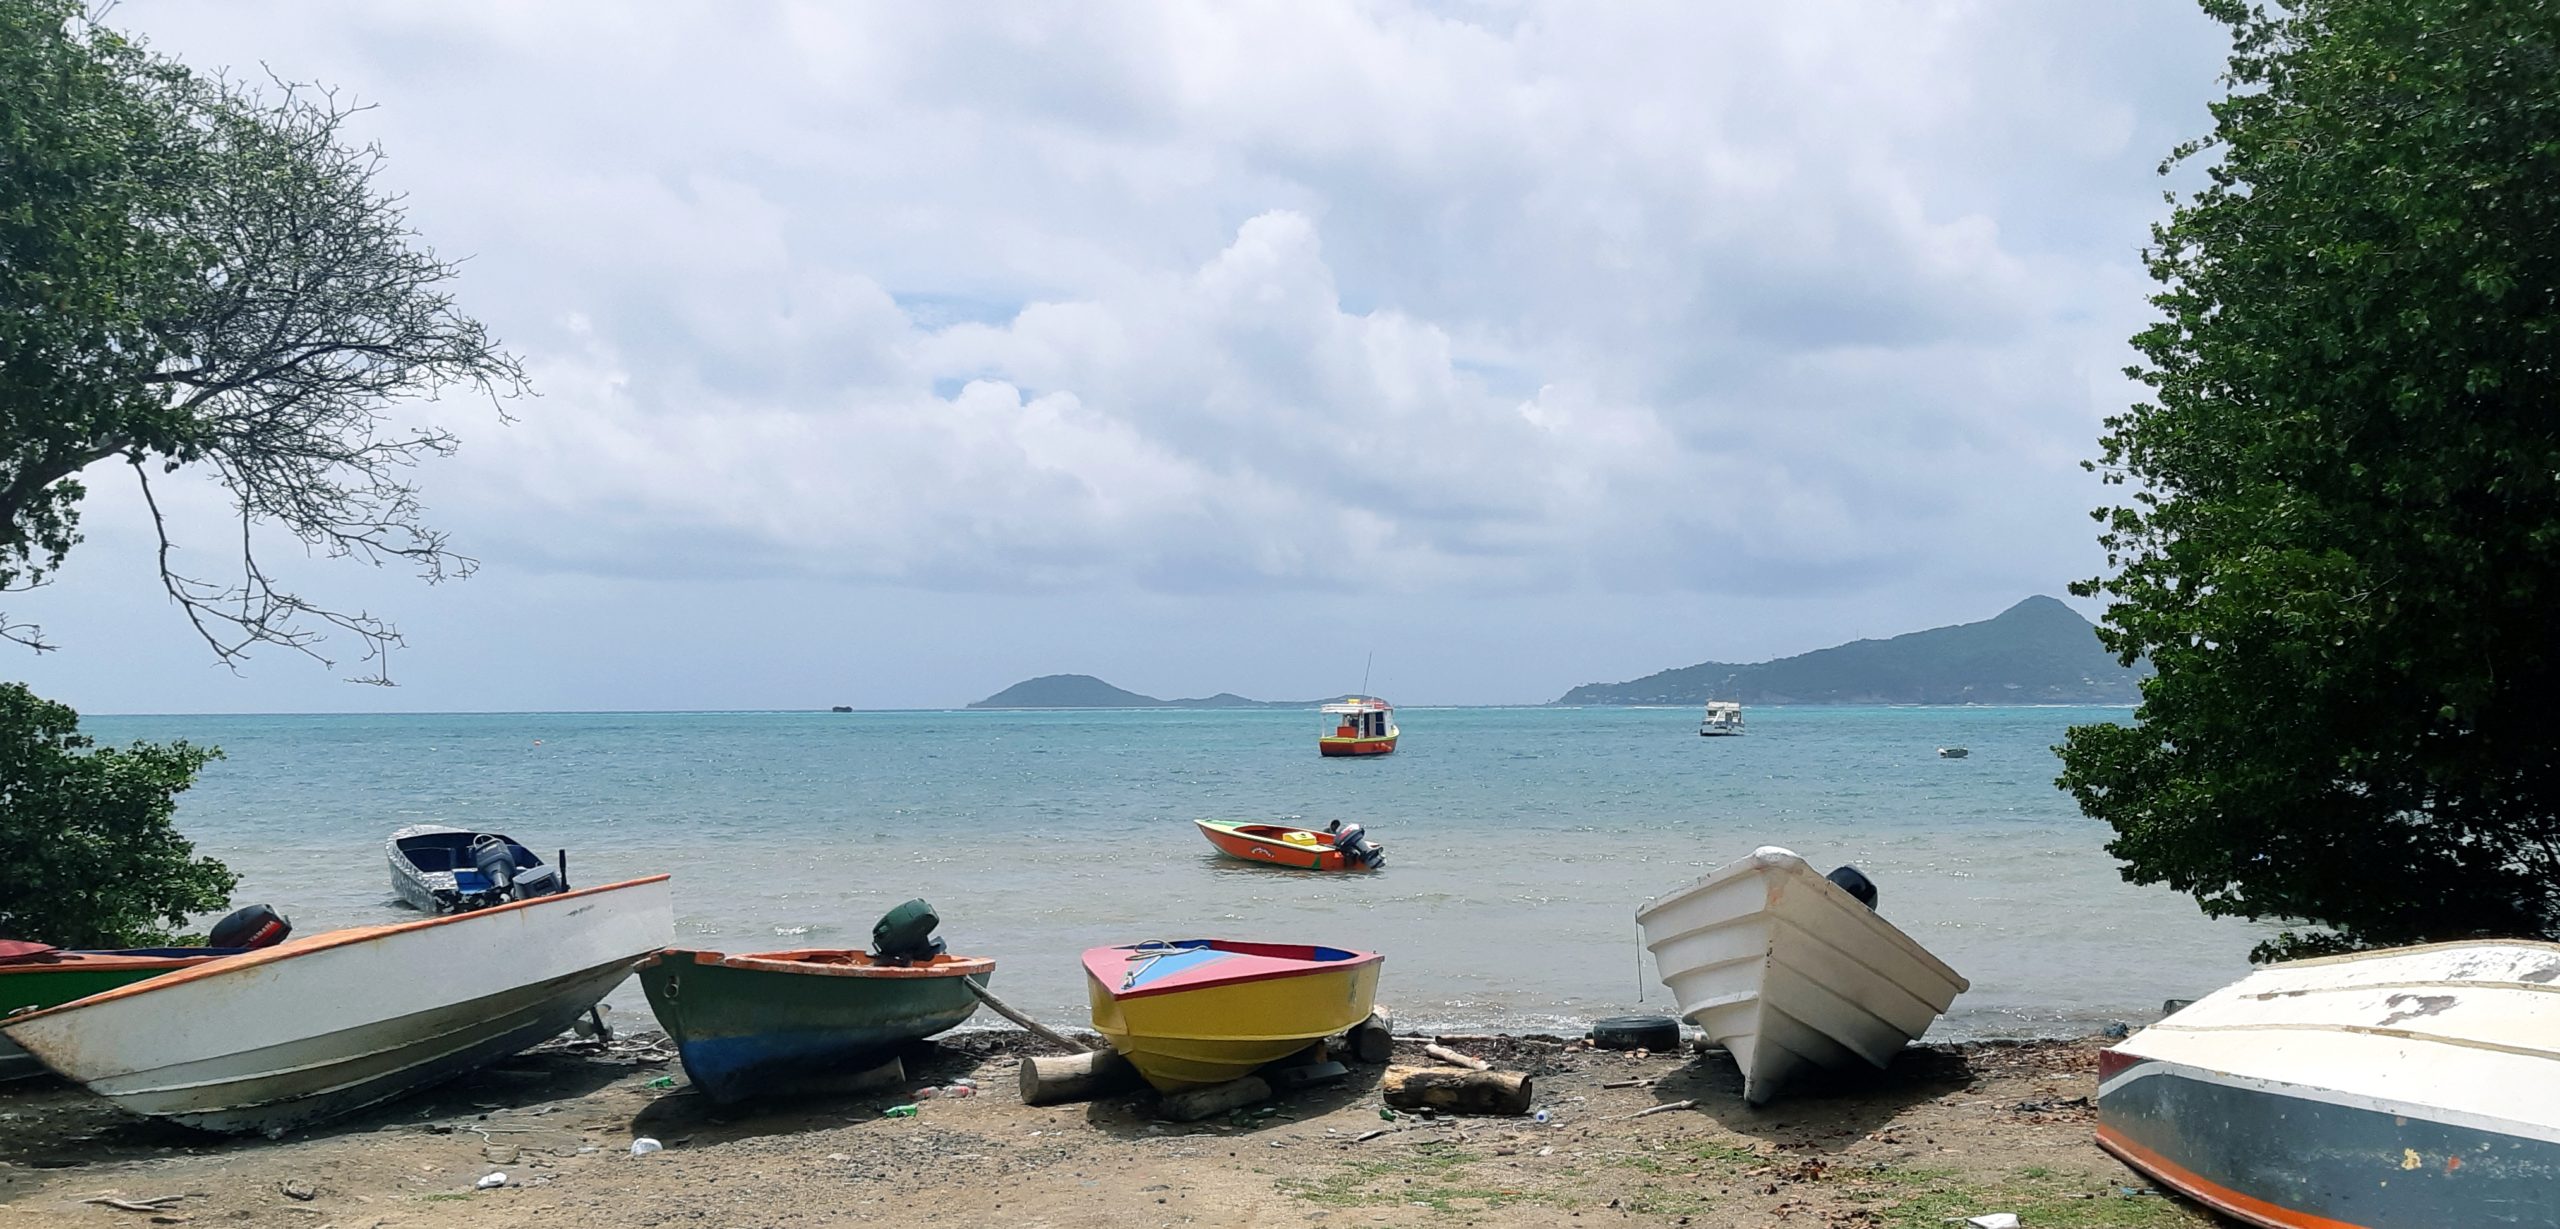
(1478, 299)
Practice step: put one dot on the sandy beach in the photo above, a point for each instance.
(1947, 1132)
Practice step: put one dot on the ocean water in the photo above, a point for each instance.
(1520, 841)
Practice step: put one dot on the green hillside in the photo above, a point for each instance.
(1086, 691)
(2036, 652)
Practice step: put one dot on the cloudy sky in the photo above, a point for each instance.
(889, 354)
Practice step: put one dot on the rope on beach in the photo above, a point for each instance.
(1037, 1028)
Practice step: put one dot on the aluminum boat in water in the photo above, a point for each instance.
(438, 869)
(2416, 1088)
(316, 1027)
(1789, 970)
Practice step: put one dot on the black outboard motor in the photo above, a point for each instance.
(1352, 841)
(253, 927)
(1855, 883)
(904, 935)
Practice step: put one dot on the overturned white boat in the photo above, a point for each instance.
(317, 1027)
(2415, 1088)
(1788, 970)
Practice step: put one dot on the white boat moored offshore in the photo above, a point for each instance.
(1788, 970)
(1723, 717)
(1953, 753)
(316, 1027)
(2416, 1088)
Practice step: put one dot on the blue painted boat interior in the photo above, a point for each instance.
(451, 851)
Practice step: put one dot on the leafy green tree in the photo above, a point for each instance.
(198, 274)
(88, 857)
(2340, 545)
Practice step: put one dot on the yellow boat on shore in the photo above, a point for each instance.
(1204, 1011)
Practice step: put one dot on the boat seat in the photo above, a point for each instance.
(431, 858)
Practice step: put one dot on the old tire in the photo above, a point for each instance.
(1659, 1034)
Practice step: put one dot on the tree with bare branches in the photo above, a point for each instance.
(204, 274)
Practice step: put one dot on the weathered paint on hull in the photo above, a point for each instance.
(744, 1032)
(1355, 746)
(2294, 1158)
(322, 1025)
(38, 986)
(277, 1088)
(1220, 1033)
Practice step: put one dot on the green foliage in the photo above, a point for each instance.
(2340, 546)
(88, 857)
(198, 274)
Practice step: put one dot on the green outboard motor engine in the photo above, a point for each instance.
(904, 935)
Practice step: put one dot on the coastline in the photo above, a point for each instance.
(1948, 1130)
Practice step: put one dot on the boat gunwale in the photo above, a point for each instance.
(795, 962)
(324, 941)
(1302, 968)
(2384, 953)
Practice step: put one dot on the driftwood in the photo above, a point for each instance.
(1658, 1109)
(1198, 1103)
(1455, 1059)
(1373, 1040)
(1049, 1079)
(1038, 1029)
(1470, 1092)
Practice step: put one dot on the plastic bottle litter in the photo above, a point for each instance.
(927, 1093)
(961, 1090)
(1995, 1220)
(493, 1180)
(644, 1145)
(1388, 1114)
(899, 1111)
(1541, 1116)
(964, 1082)
(664, 1081)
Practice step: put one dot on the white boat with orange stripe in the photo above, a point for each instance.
(319, 1026)
(2415, 1088)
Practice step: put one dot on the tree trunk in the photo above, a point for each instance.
(1465, 1092)
(1048, 1079)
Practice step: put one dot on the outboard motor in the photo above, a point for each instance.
(254, 927)
(904, 935)
(496, 863)
(1855, 883)
(1352, 841)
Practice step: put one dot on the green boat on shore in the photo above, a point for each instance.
(771, 1022)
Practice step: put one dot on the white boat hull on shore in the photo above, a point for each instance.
(317, 1027)
(2408, 1089)
(1788, 972)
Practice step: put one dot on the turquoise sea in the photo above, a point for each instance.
(1520, 840)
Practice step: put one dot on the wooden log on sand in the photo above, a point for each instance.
(1051, 1079)
(1373, 1040)
(1465, 1092)
(1455, 1059)
(1198, 1103)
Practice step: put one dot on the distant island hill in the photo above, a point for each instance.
(2039, 651)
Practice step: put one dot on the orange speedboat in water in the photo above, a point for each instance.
(1340, 847)
(1358, 726)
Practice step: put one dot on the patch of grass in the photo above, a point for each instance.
(1432, 1179)
(446, 1196)
(1929, 1198)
